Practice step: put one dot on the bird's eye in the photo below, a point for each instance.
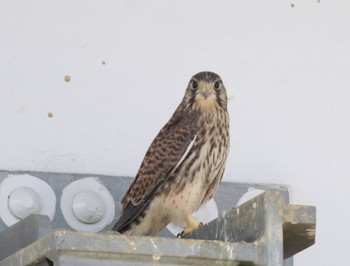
(194, 84)
(217, 85)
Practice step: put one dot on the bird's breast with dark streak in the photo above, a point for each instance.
(206, 161)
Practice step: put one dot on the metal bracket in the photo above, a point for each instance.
(265, 230)
(277, 230)
(251, 234)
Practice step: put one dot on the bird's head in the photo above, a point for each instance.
(206, 91)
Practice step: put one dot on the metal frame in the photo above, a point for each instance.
(263, 231)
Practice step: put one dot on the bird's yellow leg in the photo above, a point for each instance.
(192, 225)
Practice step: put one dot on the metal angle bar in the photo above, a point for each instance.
(112, 245)
(278, 229)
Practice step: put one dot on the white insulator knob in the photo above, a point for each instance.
(24, 201)
(88, 207)
(23, 195)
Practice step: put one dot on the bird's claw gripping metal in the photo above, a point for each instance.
(188, 230)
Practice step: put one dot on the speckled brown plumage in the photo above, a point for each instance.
(184, 164)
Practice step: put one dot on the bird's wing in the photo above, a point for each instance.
(166, 153)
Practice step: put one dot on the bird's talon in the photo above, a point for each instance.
(180, 235)
(188, 230)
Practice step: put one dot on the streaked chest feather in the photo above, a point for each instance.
(209, 152)
(200, 173)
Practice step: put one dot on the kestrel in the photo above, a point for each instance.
(184, 164)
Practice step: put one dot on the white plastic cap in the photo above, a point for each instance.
(87, 205)
(24, 201)
(23, 195)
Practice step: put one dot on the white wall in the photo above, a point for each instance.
(287, 68)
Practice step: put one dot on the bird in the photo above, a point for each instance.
(184, 164)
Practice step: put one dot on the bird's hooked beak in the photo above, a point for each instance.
(205, 90)
(205, 93)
